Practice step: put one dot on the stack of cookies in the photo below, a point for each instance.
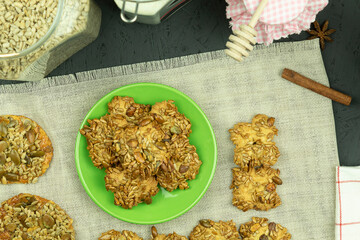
(254, 180)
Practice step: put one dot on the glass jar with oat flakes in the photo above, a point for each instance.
(38, 35)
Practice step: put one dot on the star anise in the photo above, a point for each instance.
(322, 33)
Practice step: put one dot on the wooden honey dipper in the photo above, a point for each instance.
(243, 40)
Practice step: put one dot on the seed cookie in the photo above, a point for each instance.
(27, 217)
(255, 188)
(128, 109)
(171, 120)
(25, 150)
(183, 165)
(171, 236)
(130, 190)
(116, 235)
(253, 142)
(261, 229)
(99, 142)
(210, 230)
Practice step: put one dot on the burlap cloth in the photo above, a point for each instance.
(228, 92)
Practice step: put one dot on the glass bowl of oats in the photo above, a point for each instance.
(38, 35)
(146, 153)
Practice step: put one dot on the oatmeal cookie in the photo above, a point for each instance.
(116, 235)
(171, 236)
(27, 216)
(253, 142)
(172, 122)
(210, 230)
(130, 190)
(25, 150)
(183, 165)
(255, 188)
(260, 228)
(127, 108)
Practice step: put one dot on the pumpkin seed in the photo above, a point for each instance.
(175, 130)
(3, 130)
(30, 135)
(3, 146)
(11, 227)
(15, 157)
(37, 154)
(12, 123)
(2, 158)
(205, 223)
(160, 145)
(48, 221)
(183, 168)
(11, 176)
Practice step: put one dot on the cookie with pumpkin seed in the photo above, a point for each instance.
(99, 141)
(260, 228)
(253, 142)
(171, 236)
(171, 120)
(130, 189)
(28, 216)
(116, 235)
(25, 150)
(255, 188)
(128, 109)
(210, 230)
(183, 165)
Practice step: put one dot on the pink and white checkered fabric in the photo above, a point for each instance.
(279, 19)
(347, 223)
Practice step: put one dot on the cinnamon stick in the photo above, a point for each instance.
(305, 82)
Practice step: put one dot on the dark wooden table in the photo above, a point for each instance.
(201, 26)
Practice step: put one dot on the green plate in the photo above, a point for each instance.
(165, 205)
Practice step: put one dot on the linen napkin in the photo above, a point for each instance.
(228, 92)
(347, 224)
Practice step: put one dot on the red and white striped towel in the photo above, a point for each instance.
(279, 19)
(347, 223)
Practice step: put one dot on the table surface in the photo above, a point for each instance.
(201, 26)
